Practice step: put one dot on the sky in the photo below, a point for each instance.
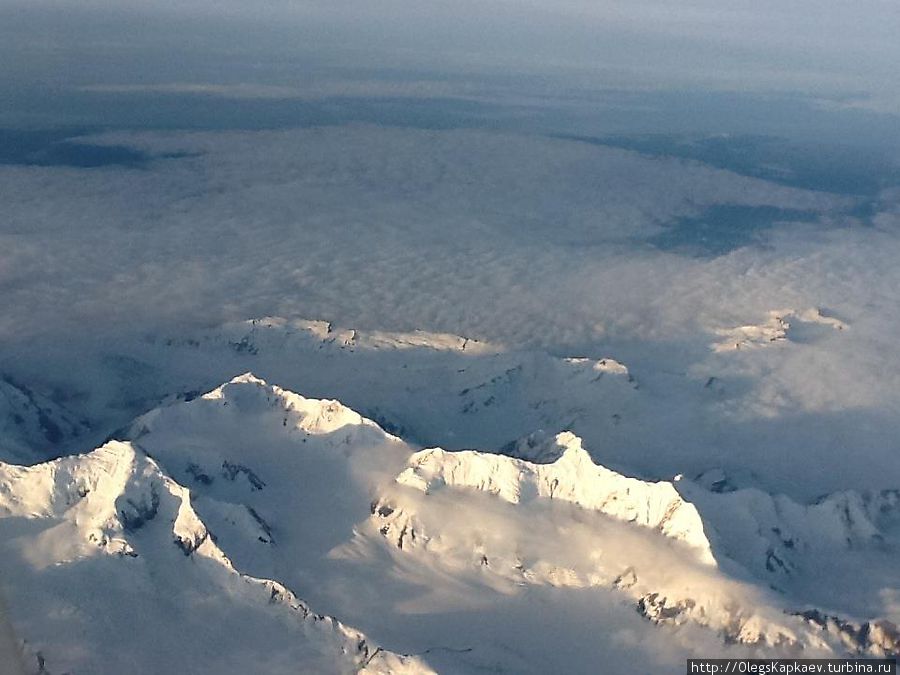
(802, 69)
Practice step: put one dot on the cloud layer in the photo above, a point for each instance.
(527, 241)
(351, 223)
(831, 49)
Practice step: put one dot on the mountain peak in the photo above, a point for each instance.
(543, 448)
(559, 468)
(113, 524)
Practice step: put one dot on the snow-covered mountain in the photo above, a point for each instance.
(658, 416)
(737, 535)
(780, 325)
(427, 387)
(196, 529)
(115, 571)
(561, 469)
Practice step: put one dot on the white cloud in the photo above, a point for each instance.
(523, 240)
(354, 223)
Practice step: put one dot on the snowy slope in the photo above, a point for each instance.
(115, 572)
(740, 534)
(429, 388)
(561, 469)
(192, 532)
(459, 393)
(674, 412)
